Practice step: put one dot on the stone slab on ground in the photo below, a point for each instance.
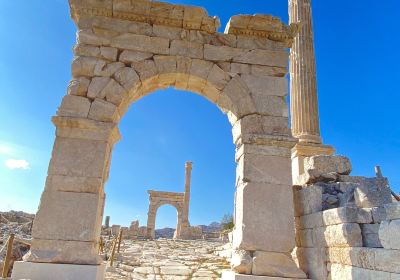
(168, 259)
(230, 275)
(47, 271)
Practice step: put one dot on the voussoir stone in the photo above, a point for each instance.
(86, 66)
(96, 87)
(79, 86)
(127, 77)
(114, 92)
(102, 110)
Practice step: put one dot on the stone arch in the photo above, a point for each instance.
(127, 49)
(158, 199)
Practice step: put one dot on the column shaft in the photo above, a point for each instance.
(303, 83)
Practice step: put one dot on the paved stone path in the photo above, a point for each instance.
(165, 259)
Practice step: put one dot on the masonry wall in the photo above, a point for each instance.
(347, 227)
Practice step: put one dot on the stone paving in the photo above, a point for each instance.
(166, 259)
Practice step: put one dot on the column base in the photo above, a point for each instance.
(231, 275)
(51, 271)
(302, 150)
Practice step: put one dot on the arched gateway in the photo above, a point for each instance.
(127, 49)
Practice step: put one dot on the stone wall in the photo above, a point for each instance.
(346, 227)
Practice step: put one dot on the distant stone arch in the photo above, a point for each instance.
(158, 199)
(127, 49)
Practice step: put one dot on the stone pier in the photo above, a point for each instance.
(303, 90)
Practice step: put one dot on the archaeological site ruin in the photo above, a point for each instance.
(298, 213)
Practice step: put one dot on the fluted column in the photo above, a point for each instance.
(303, 82)
(303, 91)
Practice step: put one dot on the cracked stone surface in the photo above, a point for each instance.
(166, 259)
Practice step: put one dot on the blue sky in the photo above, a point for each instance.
(358, 72)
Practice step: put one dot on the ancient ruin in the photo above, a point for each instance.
(179, 200)
(338, 227)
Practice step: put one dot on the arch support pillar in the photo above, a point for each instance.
(67, 226)
(264, 211)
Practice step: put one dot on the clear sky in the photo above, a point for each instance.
(358, 74)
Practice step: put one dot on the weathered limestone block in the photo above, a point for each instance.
(260, 70)
(216, 39)
(240, 68)
(261, 86)
(86, 50)
(251, 43)
(79, 157)
(378, 214)
(63, 251)
(85, 66)
(128, 78)
(353, 256)
(109, 69)
(373, 194)
(328, 164)
(142, 43)
(200, 68)
(170, 32)
(238, 93)
(347, 215)
(276, 265)
(262, 125)
(258, 228)
(134, 56)
(114, 92)
(241, 261)
(218, 77)
(118, 25)
(96, 87)
(342, 235)
(187, 49)
(263, 57)
(109, 53)
(165, 64)
(68, 216)
(263, 169)
(324, 168)
(221, 53)
(392, 211)
(307, 200)
(89, 38)
(74, 106)
(79, 86)
(271, 105)
(146, 69)
(370, 235)
(340, 272)
(74, 184)
(310, 221)
(104, 111)
(387, 260)
(77, 128)
(389, 234)
(312, 261)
